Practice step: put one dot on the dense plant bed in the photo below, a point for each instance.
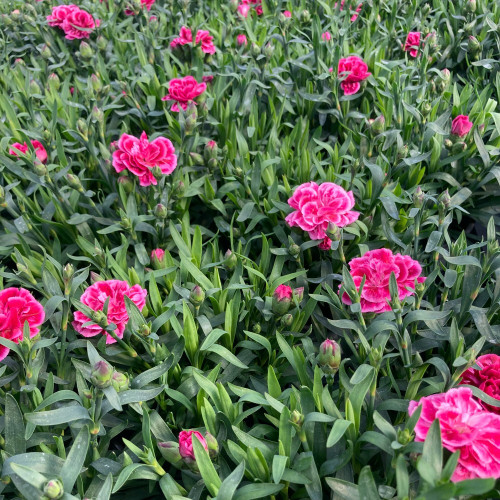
(249, 249)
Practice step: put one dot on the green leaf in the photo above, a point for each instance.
(75, 459)
(338, 430)
(279, 464)
(207, 470)
(253, 491)
(430, 463)
(230, 484)
(343, 489)
(366, 485)
(59, 416)
(15, 442)
(105, 490)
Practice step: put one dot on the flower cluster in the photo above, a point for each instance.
(140, 157)
(375, 267)
(75, 22)
(113, 292)
(318, 205)
(203, 37)
(465, 427)
(246, 5)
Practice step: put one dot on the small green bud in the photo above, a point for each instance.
(287, 320)
(197, 296)
(212, 445)
(294, 250)
(96, 82)
(269, 50)
(34, 87)
(254, 49)
(97, 114)
(68, 272)
(470, 6)
(473, 46)
(45, 52)
(39, 168)
(296, 418)
(86, 50)
(426, 108)
(82, 127)
(145, 330)
(333, 232)
(54, 82)
(99, 318)
(102, 374)
(403, 151)
(377, 126)
(329, 356)
(418, 197)
(230, 260)
(160, 211)
(458, 147)
(102, 43)
(120, 381)
(190, 123)
(197, 158)
(53, 489)
(305, 16)
(405, 436)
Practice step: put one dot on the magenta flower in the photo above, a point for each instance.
(326, 36)
(283, 292)
(465, 427)
(317, 205)
(78, 24)
(287, 13)
(183, 91)
(144, 3)
(412, 43)
(461, 126)
(487, 379)
(355, 70)
(139, 156)
(95, 297)
(59, 14)
(40, 151)
(376, 266)
(186, 444)
(241, 39)
(17, 305)
(202, 37)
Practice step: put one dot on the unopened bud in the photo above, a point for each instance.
(45, 52)
(212, 445)
(96, 82)
(74, 182)
(102, 43)
(68, 272)
(97, 114)
(54, 82)
(197, 158)
(403, 151)
(230, 260)
(34, 87)
(39, 168)
(329, 356)
(282, 298)
(86, 50)
(296, 418)
(333, 232)
(145, 330)
(305, 16)
(444, 200)
(298, 293)
(378, 125)
(190, 123)
(294, 250)
(254, 49)
(53, 489)
(426, 108)
(120, 381)
(82, 127)
(211, 150)
(418, 197)
(470, 6)
(102, 374)
(269, 50)
(197, 296)
(458, 147)
(473, 46)
(287, 320)
(161, 211)
(127, 183)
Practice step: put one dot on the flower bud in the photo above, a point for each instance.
(145, 330)
(470, 6)
(233, 4)
(282, 298)
(158, 258)
(473, 46)
(97, 114)
(197, 158)
(160, 211)
(34, 87)
(403, 151)
(100, 318)
(269, 50)
(210, 152)
(405, 436)
(378, 125)
(333, 232)
(53, 489)
(190, 123)
(375, 356)
(230, 260)
(296, 418)
(170, 451)
(426, 108)
(212, 444)
(96, 82)
(179, 189)
(294, 250)
(197, 296)
(444, 200)
(418, 197)
(102, 43)
(45, 52)
(54, 82)
(448, 143)
(120, 381)
(102, 374)
(305, 16)
(127, 183)
(256, 328)
(85, 50)
(255, 49)
(39, 168)
(287, 320)
(68, 272)
(329, 356)
(426, 9)
(298, 293)
(74, 182)
(94, 277)
(458, 147)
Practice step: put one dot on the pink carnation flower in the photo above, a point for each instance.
(243, 9)
(17, 305)
(60, 13)
(78, 24)
(355, 70)
(40, 151)
(465, 427)
(317, 205)
(186, 443)
(206, 40)
(95, 297)
(241, 39)
(283, 292)
(354, 16)
(326, 36)
(461, 125)
(183, 91)
(412, 43)
(487, 379)
(185, 38)
(287, 13)
(139, 156)
(377, 266)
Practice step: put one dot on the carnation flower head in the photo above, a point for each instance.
(40, 151)
(17, 306)
(412, 43)
(186, 444)
(376, 267)
(317, 205)
(96, 295)
(354, 70)
(465, 427)
(140, 156)
(184, 91)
